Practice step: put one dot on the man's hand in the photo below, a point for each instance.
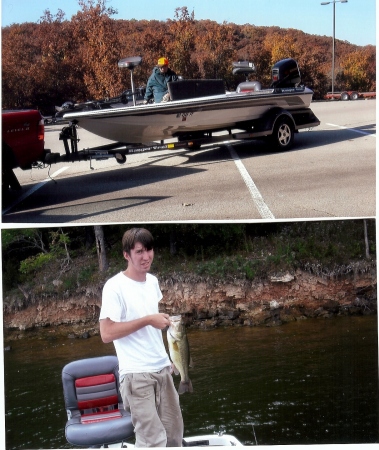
(110, 330)
(166, 97)
(159, 320)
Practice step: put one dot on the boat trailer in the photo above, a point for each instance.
(278, 125)
(119, 150)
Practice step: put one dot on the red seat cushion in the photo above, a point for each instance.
(98, 391)
(101, 416)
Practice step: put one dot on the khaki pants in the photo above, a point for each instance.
(154, 406)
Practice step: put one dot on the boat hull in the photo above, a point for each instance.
(209, 440)
(156, 122)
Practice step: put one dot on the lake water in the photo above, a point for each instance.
(307, 382)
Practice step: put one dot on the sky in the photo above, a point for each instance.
(355, 20)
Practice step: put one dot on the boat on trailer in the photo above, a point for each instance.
(196, 111)
(96, 417)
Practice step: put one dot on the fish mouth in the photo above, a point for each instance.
(175, 318)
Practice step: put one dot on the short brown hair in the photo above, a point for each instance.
(134, 235)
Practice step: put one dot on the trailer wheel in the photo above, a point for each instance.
(354, 96)
(345, 96)
(120, 158)
(283, 134)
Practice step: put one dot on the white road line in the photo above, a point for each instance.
(32, 190)
(352, 129)
(263, 209)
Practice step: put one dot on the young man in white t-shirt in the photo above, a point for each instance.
(130, 319)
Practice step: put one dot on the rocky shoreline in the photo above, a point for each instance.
(206, 303)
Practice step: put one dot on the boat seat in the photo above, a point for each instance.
(93, 403)
(185, 89)
(249, 86)
(130, 63)
(243, 68)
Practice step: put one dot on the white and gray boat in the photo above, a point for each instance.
(197, 110)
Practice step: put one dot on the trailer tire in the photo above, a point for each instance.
(120, 158)
(354, 96)
(283, 134)
(345, 96)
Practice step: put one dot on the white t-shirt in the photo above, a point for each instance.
(123, 300)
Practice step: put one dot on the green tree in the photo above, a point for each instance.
(58, 249)
(26, 239)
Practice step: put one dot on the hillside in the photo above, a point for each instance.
(214, 275)
(42, 71)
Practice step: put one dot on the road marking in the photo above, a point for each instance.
(352, 129)
(32, 190)
(263, 209)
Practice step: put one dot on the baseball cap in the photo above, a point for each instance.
(162, 62)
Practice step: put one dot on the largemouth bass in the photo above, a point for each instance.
(179, 352)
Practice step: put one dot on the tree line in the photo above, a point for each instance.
(82, 253)
(55, 60)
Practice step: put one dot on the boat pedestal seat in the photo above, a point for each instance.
(93, 403)
(130, 63)
(99, 433)
(186, 89)
(243, 68)
(249, 86)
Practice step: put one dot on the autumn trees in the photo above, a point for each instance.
(58, 59)
(96, 36)
(358, 70)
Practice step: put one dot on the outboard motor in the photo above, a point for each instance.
(285, 73)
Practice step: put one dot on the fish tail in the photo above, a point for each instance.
(185, 386)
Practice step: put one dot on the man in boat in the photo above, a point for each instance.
(130, 319)
(157, 83)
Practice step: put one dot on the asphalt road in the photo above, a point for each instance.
(330, 173)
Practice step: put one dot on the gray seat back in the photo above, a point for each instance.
(93, 403)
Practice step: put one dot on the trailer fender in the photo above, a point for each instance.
(269, 119)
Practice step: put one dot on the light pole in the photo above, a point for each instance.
(334, 32)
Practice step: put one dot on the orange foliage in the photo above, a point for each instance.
(57, 60)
